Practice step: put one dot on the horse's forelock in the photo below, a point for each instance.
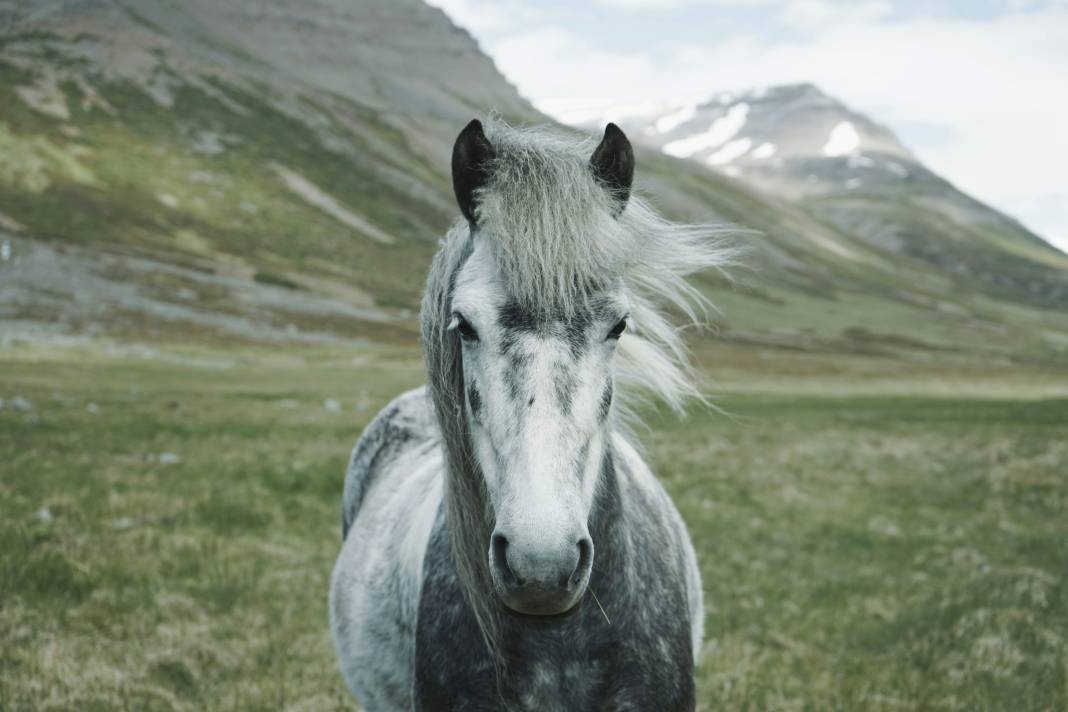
(550, 222)
(558, 236)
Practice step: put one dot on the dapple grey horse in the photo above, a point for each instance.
(505, 545)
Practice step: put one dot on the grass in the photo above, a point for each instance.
(879, 552)
(169, 520)
(192, 520)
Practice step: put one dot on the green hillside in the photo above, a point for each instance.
(163, 174)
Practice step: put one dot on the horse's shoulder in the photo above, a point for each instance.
(655, 515)
(407, 420)
(636, 475)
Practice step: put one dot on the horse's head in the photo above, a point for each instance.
(537, 355)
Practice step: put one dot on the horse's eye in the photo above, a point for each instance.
(618, 329)
(467, 332)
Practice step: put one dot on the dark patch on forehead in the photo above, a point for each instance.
(474, 399)
(565, 384)
(515, 374)
(606, 400)
(518, 362)
(575, 333)
(514, 315)
(514, 319)
(508, 342)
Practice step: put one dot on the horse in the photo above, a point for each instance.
(504, 545)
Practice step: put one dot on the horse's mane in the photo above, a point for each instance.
(558, 238)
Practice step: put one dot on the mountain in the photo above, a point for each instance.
(797, 142)
(769, 134)
(278, 171)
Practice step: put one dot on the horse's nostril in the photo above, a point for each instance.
(585, 547)
(500, 560)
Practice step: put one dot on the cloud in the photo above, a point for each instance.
(993, 86)
(568, 67)
(818, 14)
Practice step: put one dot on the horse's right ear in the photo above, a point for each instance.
(470, 166)
(612, 164)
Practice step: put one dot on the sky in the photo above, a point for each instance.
(978, 90)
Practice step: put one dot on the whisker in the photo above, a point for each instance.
(598, 602)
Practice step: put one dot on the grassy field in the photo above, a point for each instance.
(872, 536)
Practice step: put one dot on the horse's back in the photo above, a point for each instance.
(401, 426)
(391, 496)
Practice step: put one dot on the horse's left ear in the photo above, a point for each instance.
(471, 155)
(612, 164)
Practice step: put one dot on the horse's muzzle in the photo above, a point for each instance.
(540, 581)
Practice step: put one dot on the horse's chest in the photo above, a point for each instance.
(582, 664)
(566, 670)
(548, 673)
(556, 685)
(543, 672)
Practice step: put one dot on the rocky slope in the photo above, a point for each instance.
(296, 147)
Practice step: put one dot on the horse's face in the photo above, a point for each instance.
(538, 396)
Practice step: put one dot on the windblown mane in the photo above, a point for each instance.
(558, 239)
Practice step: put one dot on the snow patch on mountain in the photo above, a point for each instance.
(764, 150)
(897, 169)
(843, 140)
(670, 122)
(734, 149)
(721, 130)
(858, 160)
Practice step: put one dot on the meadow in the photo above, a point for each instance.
(873, 533)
